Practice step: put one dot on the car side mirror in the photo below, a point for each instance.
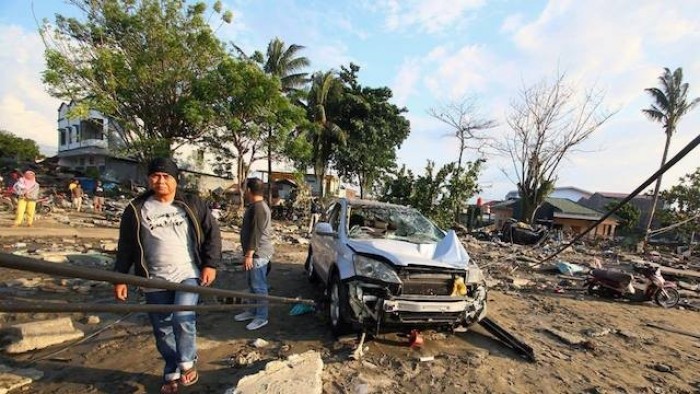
(324, 228)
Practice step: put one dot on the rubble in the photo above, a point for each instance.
(40, 334)
(12, 378)
(300, 373)
(569, 339)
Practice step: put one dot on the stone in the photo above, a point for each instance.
(595, 333)
(55, 258)
(91, 259)
(40, 334)
(245, 360)
(519, 283)
(300, 373)
(108, 246)
(260, 343)
(26, 283)
(662, 368)
(19, 245)
(92, 320)
(569, 339)
(12, 379)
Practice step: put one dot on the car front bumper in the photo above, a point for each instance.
(372, 304)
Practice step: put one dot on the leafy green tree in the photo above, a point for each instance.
(375, 129)
(684, 202)
(437, 194)
(245, 102)
(396, 186)
(17, 148)
(628, 214)
(136, 61)
(670, 104)
(325, 135)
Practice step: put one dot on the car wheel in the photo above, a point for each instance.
(309, 267)
(338, 306)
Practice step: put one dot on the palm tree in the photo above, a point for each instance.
(282, 62)
(669, 106)
(326, 134)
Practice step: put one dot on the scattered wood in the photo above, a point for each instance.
(674, 330)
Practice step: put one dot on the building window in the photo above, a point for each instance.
(62, 137)
(77, 133)
(82, 161)
(91, 160)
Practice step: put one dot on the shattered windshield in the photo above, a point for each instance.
(388, 222)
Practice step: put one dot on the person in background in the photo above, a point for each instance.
(316, 210)
(257, 250)
(27, 191)
(170, 235)
(76, 192)
(99, 197)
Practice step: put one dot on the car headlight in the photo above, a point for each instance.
(370, 268)
(474, 275)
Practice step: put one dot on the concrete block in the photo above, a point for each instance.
(300, 373)
(40, 334)
(11, 379)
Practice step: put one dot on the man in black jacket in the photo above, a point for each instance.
(165, 234)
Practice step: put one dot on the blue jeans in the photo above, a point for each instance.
(257, 283)
(175, 332)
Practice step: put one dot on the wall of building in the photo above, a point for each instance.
(577, 226)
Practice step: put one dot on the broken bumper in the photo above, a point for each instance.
(373, 305)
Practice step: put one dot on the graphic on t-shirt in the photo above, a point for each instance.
(167, 219)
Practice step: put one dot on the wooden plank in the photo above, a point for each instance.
(674, 330)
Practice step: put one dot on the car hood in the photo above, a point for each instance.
(448, 253)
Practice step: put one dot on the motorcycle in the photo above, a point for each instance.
(615, 284)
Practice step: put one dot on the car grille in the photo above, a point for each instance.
(421, 283)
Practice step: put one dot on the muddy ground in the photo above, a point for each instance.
(628, 357)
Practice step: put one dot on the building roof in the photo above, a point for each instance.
(563, 208)
(568, 208)
(620, 196)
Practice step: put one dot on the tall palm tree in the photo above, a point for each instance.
(669, 106)
(326, 134)
(284, 63)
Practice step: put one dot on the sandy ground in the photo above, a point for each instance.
(628, 359)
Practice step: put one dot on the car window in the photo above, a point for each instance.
(334, 217)
(390, 222)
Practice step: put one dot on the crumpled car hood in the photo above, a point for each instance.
(448, 253)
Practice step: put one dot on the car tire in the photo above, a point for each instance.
(338, 306)
(309, 267)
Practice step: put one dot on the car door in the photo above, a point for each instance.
(328, 242)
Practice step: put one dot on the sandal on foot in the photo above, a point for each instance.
(189, 377)
(169, 387)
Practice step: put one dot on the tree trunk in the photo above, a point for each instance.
(362, 186)
(240, 178)
(656, 189)
(320, 172)
(269, 166)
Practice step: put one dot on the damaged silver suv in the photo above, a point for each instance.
(387, 265)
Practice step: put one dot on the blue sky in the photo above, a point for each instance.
(433, 52)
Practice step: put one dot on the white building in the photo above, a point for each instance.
(83, 143)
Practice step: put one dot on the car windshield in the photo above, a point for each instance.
(391, 222)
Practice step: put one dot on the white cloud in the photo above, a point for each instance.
(404, 84)
(512, 23)
(427, 16)
(25, 108)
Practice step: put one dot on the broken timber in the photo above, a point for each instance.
(508, 339)
(673, 330)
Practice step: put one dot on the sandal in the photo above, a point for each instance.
(189, 377)
(169, 387)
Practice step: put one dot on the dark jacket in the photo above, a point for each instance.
(207, 236)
